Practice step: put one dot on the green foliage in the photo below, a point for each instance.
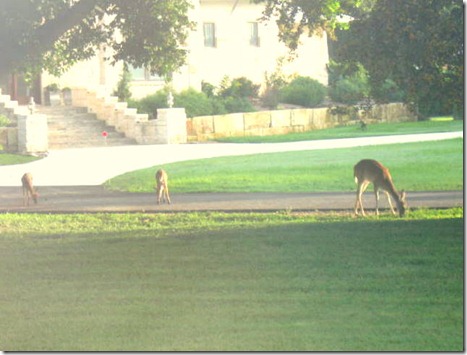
(150, 103)
(208, 89)
(234, 104)
(274, 83)
(303, 91)
(418, 45)
(195, 103)
(4, 121)
(297, 17)
(55, 34)
(238, 87)
(347, 85)
(123, 91)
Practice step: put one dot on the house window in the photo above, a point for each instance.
(142, 74)
(209, 30)
(254, 34)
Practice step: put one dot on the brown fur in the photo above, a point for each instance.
(368, 171)
(28, 189)
(162, 186)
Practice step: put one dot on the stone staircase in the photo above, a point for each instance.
(75, 127)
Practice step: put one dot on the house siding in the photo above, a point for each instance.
(233, 54)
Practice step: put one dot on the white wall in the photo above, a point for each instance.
(233, 57)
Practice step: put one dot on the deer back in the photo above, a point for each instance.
(161, 177)
(373, 171)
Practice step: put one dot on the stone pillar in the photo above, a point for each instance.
(171, 126)
(32, 134)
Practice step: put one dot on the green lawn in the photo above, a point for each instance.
(353, 131)
(436, 165)
(214, 281)
(11, 159)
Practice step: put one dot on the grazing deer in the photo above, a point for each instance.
(28, 189)
(162, 186)
(368, 171)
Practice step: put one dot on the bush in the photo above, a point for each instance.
(195, 103)
(123, 87)
(237, 104)
(348, 91)
(238, 87)
(303, 91)
(150, 103)
(349, 84)
(4, 121)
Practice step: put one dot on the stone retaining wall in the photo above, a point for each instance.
(286, 121)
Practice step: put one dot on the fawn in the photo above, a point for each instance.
(28, 189)
(368, 171)
(162, 187)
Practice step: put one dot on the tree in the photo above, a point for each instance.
(55, 34)
(417, 44)
(295, 17)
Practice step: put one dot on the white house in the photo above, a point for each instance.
(229, 40)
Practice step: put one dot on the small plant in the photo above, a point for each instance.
(275, 82)
(238, 87)
(303, 91)
(123, 87)
(52, 87)
(4, 121)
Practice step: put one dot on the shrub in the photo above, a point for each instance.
(348, 91)
(274, 83)
(123, 86)
(238, 87)
(4, 121)
(349, 85)
(195, 103)
(150, 103)
(237, 104)
(303, 91)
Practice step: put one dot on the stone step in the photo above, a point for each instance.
(75, 127)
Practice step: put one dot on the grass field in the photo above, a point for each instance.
(421, 166)
(213, 281)
(10, 159)
(379, 129)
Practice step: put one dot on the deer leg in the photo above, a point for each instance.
(390, 203)
(25, 197)
(377, 200)
(159, 194)
(360, 190)
(167, 194)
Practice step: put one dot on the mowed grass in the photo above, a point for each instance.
(441, 124)
(214, 281)
(10, 159)
(436, 165)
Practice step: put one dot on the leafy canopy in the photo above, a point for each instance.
(54, 34)
(416, 44)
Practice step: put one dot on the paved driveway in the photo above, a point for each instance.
(96, 199)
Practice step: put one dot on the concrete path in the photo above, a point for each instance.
(93, 166)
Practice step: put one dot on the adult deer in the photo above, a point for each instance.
(368, 171)
(162, 186)
(28, 189)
